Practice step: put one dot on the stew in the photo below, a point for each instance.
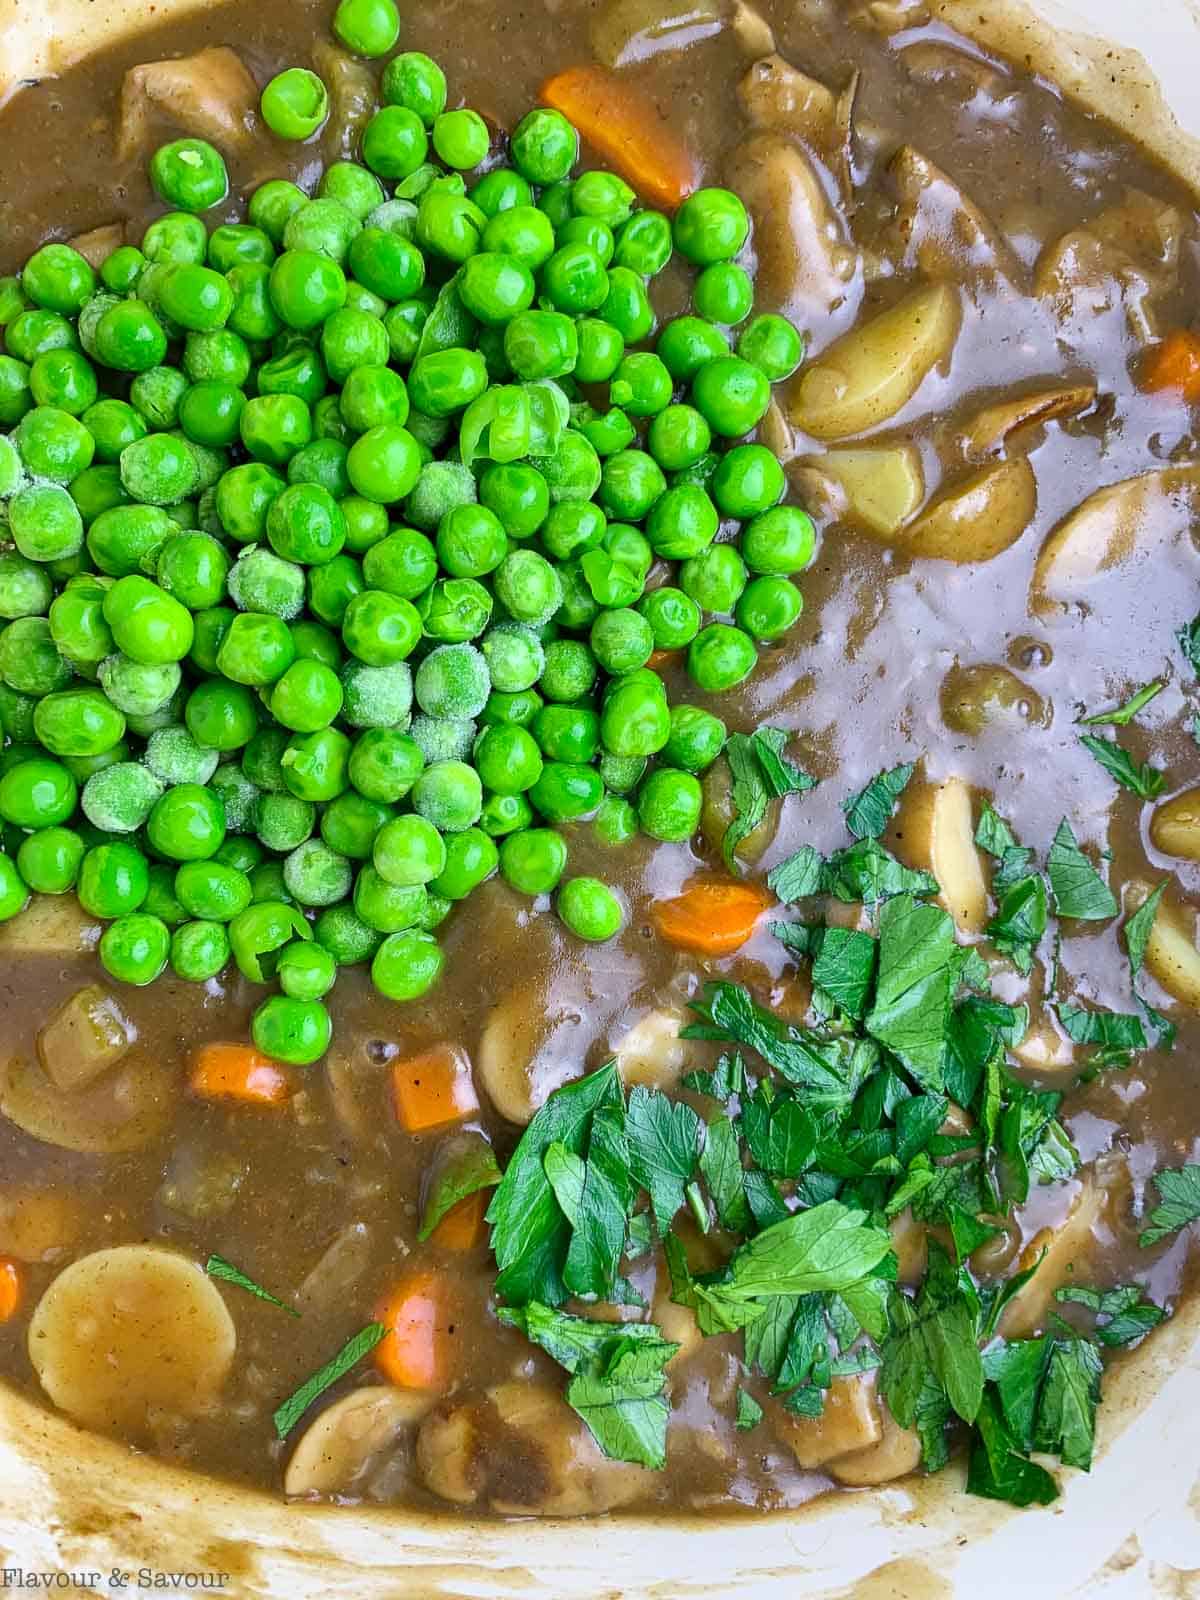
(435, 1103)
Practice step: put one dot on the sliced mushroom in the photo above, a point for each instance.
(338, 1451)
(1175, 826)
(774, 94)
(910, 1241)
(128, 1109)
(807, 261)
(991, 429)
(523, 1452)
(210, 95)
(38, 1224)
(873, 491)
(97, 245)
(538, 1037)
(1126, 257)
(973, 79)
(1171, 957)
(50, 925)
(1129, 519)
(353, 93)
(125, 1333)
(202, 1181)
(935, 830)
(775, 431)
(1067, 1249)
(84, 1039)
(850, 1422)
(338, 1270)
(875, 370)
(652, 1053)
(897, 1454)
(978, 519)
(944, 233)
(976, 699)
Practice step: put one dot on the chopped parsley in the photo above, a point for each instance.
(869, 812)
(1179, 1203)
(761, 773)
(469, 1167)
(1079, 890)
(1142, 778)
(1121, 715)
(293, 1408)
(226, 1272)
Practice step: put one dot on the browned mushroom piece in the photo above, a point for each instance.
(210, 95)
(98, 244)
(874, 491)
(1061, 1255)
(992, 430)
(1126, 257)
(521, 1451)
(807, 262)
(338, 1451)
(775, 94)
(627, 31)
(353, 93)
(942, 231)
(888, 16)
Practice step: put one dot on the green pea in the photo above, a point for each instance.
(134, 949)
(714, 579)
(294, 1031)
(471, 858)
(616, 822)
(635, 720)
(416, 81)
(533, 861)
(384, 764)
(720, 657)
(78, 722)
(779, 541)
(187, 823)
(773, 345)
(199, 951)
(212, 890)
(37, 794)
(295, 104)
(768, 607)
(346, 937)
(189, 174)
(566, 790)
(407, 965)
(258, 934)
(505, 813)
(315, 875)
(314, 764)
(114, 878)
(349, 824)
(590, 909)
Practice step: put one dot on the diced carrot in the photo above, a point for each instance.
(1174, 364)
(417, 1351)
(627, 130)
(663, 658)
(462, 1226)
(713, 916)
(433, 1089)
(238, 1072)
(11, 1286)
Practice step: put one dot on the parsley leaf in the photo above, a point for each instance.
(998, 1471)
(1117, 1034)
(780, 1134)
(1123, 714)
(1139, 926)
(530, 1232)
(829, 1247)
(1189, 643)
(993, 834)
(866, 871)
(761, 773)
(293, 1408)
(1145, 780)
(1123, 1314)
(749, 1412)
(933, 1336)
(721, 1168)
(1179, 1192)
(663, 1147)
(618, 1377)
(1020, 921)
(917, 963)
(869, 812)
(1066, 1420)
(1079, 890)
(798, 876)
(226, 1272)
(605, 1200)
(844, 968)
(469, 1166)
(731, 1013)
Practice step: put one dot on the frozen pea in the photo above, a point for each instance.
(120, 798)
(443, 738)
(174, 757)
(453, 681)
(376, 697)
